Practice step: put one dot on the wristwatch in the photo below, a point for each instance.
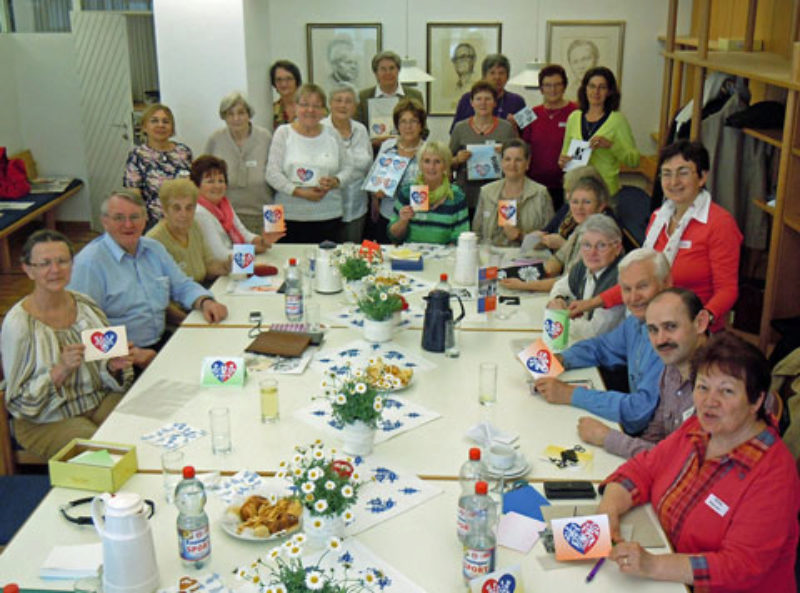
(203, 300)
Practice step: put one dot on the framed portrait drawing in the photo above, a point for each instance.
(455, 53)
(342, 52)
(580, 45)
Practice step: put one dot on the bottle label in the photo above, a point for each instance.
(467, 516)
(194, 544)
(478, 562)
(294, 306)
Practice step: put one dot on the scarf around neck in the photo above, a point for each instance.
(661, 221)
(223, 212)
(440, 194)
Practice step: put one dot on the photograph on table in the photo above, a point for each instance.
(581, 45)
(455, 53)
(340, 53)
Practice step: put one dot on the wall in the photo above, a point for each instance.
(259, 58)
(10, 136)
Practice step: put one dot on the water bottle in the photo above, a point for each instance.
(480, 543)
(443, 284)
(471, 472)
(294, 293)
(194, 537)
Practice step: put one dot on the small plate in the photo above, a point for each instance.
(519, 468)
(230, 520)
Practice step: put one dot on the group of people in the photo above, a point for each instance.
(695, 419)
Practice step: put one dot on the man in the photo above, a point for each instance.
(386, 66)
(464, 64)
(643, 273)
(582, 55)
(343, 61)
(677, 325)
(133, 278)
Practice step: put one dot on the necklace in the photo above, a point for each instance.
(410, 148)
(482, 129)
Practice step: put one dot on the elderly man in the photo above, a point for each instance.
(133, 278)
(678, 326)
(643, 273)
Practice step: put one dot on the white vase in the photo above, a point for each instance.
(378, 331)
(358, 438)
(319, 530)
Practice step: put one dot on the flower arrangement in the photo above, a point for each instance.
(283, 571)
(380, 301)
(326, 486)
(354, 396)
(355, 263)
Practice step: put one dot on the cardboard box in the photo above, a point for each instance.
(92, 477)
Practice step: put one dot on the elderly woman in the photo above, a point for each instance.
(446, 217)
(180, 234)
(545, 134)
(699, 238)
(286, 79)
(409, 119)
(307, 165)
(219, 224)
(529, 199)
(244, 146)
(495, 70)
(600, 250)
(724, 485)
(359, 155)
(599, 123)
(52, 392)
(479, 128)
(159, 158)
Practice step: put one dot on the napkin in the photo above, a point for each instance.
(72, 562)
(238, 485)
(173, 436)
(479, 432)
(518, 532)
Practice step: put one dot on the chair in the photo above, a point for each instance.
(10, 454)
(633, 213)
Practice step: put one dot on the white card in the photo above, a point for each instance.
(105, 342)
(244, 258)
(580, 152)
(518, 532)
(524, 117)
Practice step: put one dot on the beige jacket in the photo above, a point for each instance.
(534, 211)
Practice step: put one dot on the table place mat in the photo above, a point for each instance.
(160, 401)
(358, 353)
(254, 285)
(429, 250)
(399, 416)
(173, 436)
(72, 562)
(209, 582)
(353, 317)
(238, 485)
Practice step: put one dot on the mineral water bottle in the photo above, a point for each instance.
(443, 284)
(194, 538)
(480, 543)
(293, 292)
(470, 473)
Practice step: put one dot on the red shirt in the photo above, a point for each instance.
(545, 136)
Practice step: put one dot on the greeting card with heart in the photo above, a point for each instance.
(306, 176)
(104, 342)
(524, 117)
(274, 221)
(540, 360)
(222, 370)
(506, 212)
(556, 329)
(418, 198)
(483, 163)
(506, 580)
(385, 174)
(581, 538)
(244, 258)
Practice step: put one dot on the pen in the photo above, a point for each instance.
(594, 570)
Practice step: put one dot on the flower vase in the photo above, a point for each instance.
(319, 530)
(378, 331)
(358, 437)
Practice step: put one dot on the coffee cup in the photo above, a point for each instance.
(501, 456)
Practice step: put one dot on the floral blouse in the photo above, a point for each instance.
(147, 168)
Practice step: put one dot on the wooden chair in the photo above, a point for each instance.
(10, 457)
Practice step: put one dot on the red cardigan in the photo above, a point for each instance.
(707, 263)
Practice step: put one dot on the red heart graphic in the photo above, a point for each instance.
(490, 586)
(553, 328)
(508, 211)
(304, 174)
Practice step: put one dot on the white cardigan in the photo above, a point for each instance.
(215, 236)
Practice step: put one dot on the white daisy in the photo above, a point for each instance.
(341, 399)
(384, 296)
(377, 405)
(280, 588)
(307, 487)
(294, 551)
(314, 580)
(280, 474)
(317, 522)
(329, 485)
(273, 498)
(347, 491)
(361, 388)
(299, 539)
(321, 506)
(274, 553)
(298, 471)
(315, 473)
(309, 497)
(319, 454)
(334, 543)
(369, 578)
(297, 458)
(348, 516)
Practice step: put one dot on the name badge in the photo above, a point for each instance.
(562, 124)
(251, 164)
(684, 244)
(688, 414)
(717, 505)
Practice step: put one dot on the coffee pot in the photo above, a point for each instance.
(438, 328)
(129, 557)
(327, 278)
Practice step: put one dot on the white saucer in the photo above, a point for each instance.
(518, 469)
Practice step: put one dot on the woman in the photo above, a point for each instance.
(244, 146)
(446, 217)
(599, 123)
(159, 158)
(600, 251)
(480, 128)
(724, 485)
(286, 79)
(409, 120)
(343, 99)
(219, 224)
(699, 238)
(587, 195)
(307, 164)
(181, 236)
(529, 199)
(52, 392)
(545, 134)
(495, 69)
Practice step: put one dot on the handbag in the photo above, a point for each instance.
(13, 177)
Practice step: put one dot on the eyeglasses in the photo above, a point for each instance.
(578, 202)
(682, 173)
(121, 218)
(408, 122)
(601, 246)
(552, 85)
(309, 105)
(61, 262)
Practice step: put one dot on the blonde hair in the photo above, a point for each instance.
(589, 179)
(177, 188)
(440, 149)
(148, 113)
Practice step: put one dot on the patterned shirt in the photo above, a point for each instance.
(147, 168)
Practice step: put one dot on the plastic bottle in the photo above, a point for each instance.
(293, 292)
(194, 537)
(472, 471)
(443, 284)
(480, 544)
(11, 588)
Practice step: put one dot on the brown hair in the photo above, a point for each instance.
(411, 106)
(148, 113)
(483, 87)
(205, 164)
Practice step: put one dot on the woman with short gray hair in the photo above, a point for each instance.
(244, 147)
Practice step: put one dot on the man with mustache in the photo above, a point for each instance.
(677, 326)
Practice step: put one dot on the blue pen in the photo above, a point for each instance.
(594, 570)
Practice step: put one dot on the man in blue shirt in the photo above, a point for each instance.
(133, 278)
(643, 273)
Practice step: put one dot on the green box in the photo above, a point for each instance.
(92, 477)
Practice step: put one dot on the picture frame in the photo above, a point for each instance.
(455, 52)
(342, 52)
(580, 45)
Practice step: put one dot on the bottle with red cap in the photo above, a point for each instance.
(293, 295)
(480, 544)
(443, 284)
(194, 537)
(470, 473)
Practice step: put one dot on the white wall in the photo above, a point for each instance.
(259, 58)
(9, 113)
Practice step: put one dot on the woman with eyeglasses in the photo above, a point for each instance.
(600, 123)
(307, 165)
(52, 392)
(286, 79)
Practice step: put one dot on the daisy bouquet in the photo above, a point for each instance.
(379, 301)
(354, 395)
(354, 263)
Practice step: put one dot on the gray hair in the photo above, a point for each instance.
(230, 100)
(603, 224)
(643, 254)
(493, 60)
(127, 194)
(386, 55)
(587, 178)
(342, 87)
